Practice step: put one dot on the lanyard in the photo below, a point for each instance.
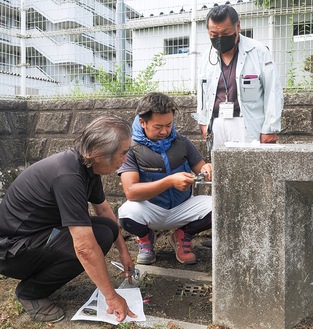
(226, 82)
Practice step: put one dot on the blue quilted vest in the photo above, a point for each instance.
(157, 160)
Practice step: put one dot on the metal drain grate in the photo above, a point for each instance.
(192, 290)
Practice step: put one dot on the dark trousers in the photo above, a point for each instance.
(45, 268)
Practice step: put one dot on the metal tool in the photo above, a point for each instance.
(199, 180)
(134, 271)
(200, 176)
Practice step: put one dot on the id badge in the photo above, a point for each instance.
(226, 110)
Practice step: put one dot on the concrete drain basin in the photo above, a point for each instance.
(185, 297)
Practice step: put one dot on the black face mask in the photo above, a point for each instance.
(224, 43)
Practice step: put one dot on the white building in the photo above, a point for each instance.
(286, 28)
(58, 47)
(51, 47)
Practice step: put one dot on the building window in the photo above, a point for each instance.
(176, 46)
(302, 28)
(247, 33)
(2, 62)
(3, 21)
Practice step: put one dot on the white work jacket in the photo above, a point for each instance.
(260, 94)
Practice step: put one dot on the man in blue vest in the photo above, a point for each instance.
(157, 179)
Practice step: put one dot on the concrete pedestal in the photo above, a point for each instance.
(262, 236)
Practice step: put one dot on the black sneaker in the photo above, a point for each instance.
(207, 243)
(42, 310)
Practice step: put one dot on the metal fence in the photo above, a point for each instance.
(96, 48)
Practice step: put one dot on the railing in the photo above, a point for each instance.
(76, 43)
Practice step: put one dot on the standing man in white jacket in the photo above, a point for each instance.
(240, 97)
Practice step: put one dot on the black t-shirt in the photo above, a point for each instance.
(53, 192)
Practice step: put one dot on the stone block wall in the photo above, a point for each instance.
(297, 119)
(33, 129)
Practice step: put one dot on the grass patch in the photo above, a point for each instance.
(10, 308)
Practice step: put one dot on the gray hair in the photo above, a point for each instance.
(102, 137)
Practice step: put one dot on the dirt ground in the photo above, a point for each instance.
(164, 297)
(178, 299)
(171, 298)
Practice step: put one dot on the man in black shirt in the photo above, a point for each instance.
(47, 236)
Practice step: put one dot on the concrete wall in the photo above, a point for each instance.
(33, 129)
(263, 237)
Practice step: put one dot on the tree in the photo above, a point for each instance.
(277, 3)
(112, 84)
(308, 64)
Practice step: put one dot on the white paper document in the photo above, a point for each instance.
(95, 309)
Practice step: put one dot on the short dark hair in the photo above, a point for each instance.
(219, 13)
(155, 102)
